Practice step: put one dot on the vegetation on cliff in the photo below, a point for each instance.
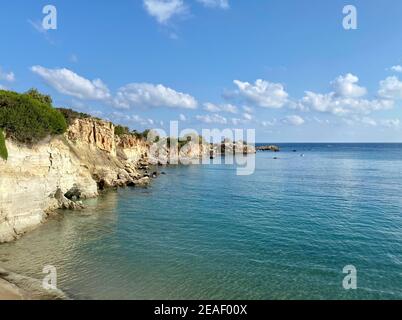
(29, 117)
(70, 115)
(122, 130)
(3, 148)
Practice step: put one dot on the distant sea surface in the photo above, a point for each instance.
(201, 232)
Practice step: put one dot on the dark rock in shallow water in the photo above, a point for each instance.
(73, 194)
(268, 148)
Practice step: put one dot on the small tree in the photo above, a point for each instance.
(34, 93)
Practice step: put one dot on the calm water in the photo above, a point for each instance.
(201, 232)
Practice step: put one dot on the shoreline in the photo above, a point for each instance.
(14, 286)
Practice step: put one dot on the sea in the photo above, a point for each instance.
(308, 220)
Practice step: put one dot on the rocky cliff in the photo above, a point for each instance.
(58, 172)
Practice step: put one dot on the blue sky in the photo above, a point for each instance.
(287, 68)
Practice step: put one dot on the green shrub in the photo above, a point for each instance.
(71, 115)
(120, 130)
(34, 93)
(28, 119)
(3, 148)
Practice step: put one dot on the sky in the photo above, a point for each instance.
(286, 68)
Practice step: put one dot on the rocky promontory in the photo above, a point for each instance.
(60, 171)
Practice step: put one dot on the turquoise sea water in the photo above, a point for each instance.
(201, 232)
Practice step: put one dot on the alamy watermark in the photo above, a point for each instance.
(49, 22)
(210, 146)
(350, 19)
(350, 280)
(49, 282)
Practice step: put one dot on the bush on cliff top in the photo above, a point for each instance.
(29, 117)
(121, 130)
(3, 148)
(70, 115)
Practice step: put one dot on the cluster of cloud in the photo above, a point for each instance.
(69, 83)
(262, 93)
(164, 10)
(150, 95)
(347, 99)
(223, 4)
(212, 119)
(143, 95)
(397, 68)
(123, 117)
(215, 108)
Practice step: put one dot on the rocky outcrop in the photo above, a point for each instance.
(268, 148)
(60, 172)
(193, 152)
(94, 132)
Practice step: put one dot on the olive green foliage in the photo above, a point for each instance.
(70, 115)
(29, 117)
(34, 93)
(3, 148)
(185, 140)
(120, 130)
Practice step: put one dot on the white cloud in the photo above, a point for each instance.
(7, 76)
(67, 82)
(132, 119)
(223, 4)
(248, 109)
(367, 121)
(391, 88)
(247, 116)
(331, 103)
(345, 99)
(164, 10)
(211, 107)
(150, 95)
(269, 123)
(293, 120)
(263, 93)
(346, 86)
(182, 117)
(391, 123)
(215, 118)
(397, 68)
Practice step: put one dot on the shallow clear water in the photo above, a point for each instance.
(201, 232)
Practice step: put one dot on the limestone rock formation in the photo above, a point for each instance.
(61, 171)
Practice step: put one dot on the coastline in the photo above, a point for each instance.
(14, 286)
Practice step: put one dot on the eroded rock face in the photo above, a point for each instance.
(93, 132)
(131, 149)
(58, 172)
(29, 181)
